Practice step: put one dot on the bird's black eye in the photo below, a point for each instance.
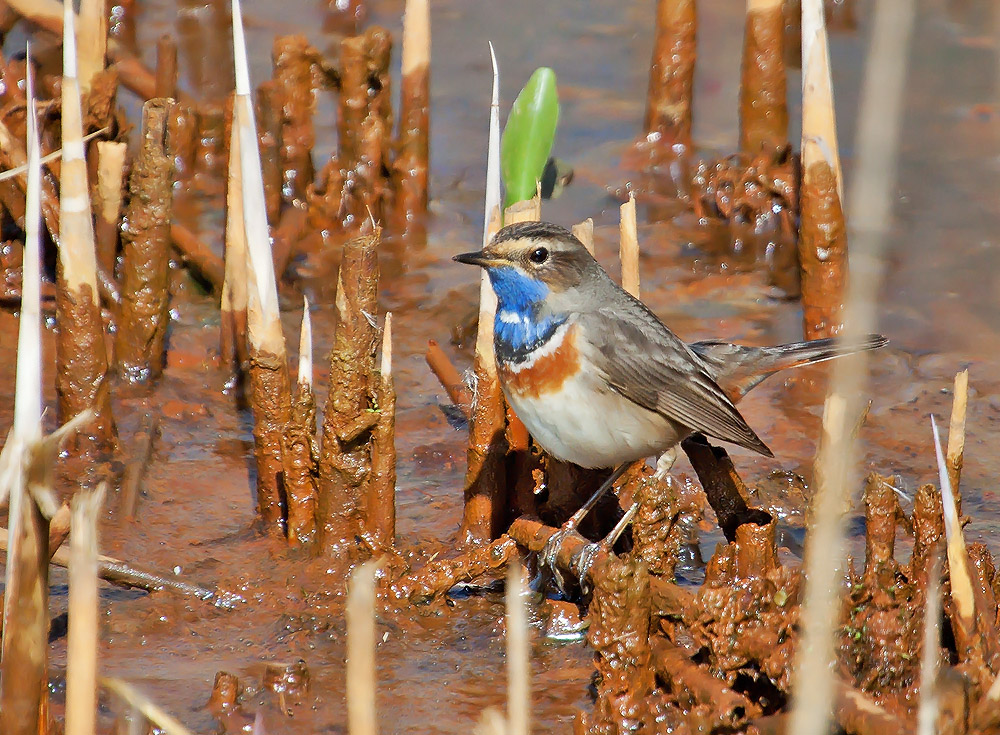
(539, 255)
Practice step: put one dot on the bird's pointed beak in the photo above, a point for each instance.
(477, 258)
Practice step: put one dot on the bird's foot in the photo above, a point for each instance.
(590, 552)
(550, 553)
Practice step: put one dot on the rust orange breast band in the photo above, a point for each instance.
(545, 373)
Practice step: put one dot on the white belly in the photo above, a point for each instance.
(587, 423)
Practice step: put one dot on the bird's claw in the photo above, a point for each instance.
(585, 560)
(550, 553)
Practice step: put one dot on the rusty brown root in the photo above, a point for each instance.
(198, 256)
(300, 459)
(140, 347)
(437, 577)
(763, 109)
(668, 599)
(822, 252)
(725, 489)
(351, 408)
(671, 73)
(449, 377)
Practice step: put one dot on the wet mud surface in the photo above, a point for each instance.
(441, 664)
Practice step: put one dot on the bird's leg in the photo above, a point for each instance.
(589, 552)
(547, 557)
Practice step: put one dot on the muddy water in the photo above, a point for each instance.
(438, 669)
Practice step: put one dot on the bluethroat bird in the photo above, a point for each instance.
(596, 377)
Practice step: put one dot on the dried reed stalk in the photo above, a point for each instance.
(25, 609)
(518, 667)
(930, 655)
(413, 142)
(93, 41)
(629, 247)
(763, 106)
(108, 201)
(82, 637)
(956, 435)
(81, 355)
(584, 232)
(149, 709)
(959, 568)
(485, 477)
(140, 350)
(380, 504)
(813, 684)
(671, 73)
(361, 681)
(233, 336)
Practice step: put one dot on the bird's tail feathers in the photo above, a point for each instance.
(796, 354)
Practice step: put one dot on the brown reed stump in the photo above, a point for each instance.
(296, 78)
(300, 460)
(486, 467)
(413, 141)
(822, 246)
(380, 500)
(619, 635)
(763, 106)
(351, 408)
(365, 92)
(671, 73)
(268, 106)
(140, 349)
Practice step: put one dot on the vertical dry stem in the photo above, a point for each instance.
(361, 683)
(81, 354)
(108, 204)
(295, 77)
(381, 501)
(518, 668)
(82, 640)
(956, 435)
(629, 247)
(233, 322)
(584, 232)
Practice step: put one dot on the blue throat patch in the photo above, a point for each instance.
(517, 328)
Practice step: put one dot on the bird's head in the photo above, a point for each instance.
(533, 262)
